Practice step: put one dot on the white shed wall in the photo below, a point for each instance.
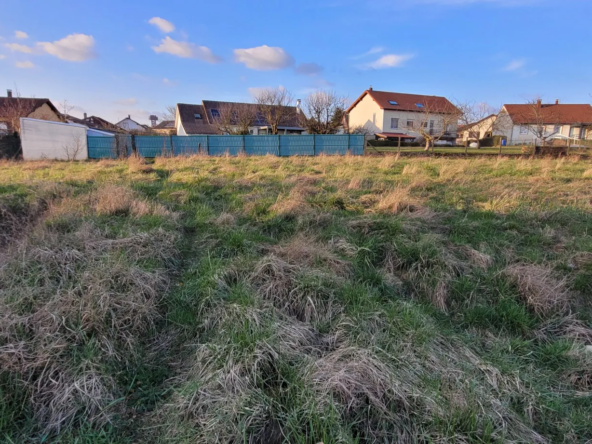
(42, 139)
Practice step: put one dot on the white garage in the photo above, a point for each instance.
(42, 139)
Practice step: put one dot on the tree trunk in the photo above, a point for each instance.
(427, 146)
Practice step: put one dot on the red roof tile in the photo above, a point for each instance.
(408, 102)
(550, 114)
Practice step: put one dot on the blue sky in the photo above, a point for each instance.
(114, 58)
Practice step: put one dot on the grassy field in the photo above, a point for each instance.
(300, 300)
(448, 150)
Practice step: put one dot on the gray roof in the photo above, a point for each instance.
(192, 125)
(206, 125)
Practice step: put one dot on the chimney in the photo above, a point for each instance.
(370, 89)
(298, 103)
(9, 93)
(556, 101)
(85, 117)
(129, 116)
(539, 102)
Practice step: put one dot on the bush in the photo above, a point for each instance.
(493, 141)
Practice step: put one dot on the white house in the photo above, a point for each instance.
(207, 118)
(130, 125)
(538, 122)
(392, 115)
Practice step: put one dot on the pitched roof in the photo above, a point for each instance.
(192, 125)
(549, 114)
(165, 124)
(462, 128)
(24, 105)
(291, 112)
(96, 122)
(407, 102)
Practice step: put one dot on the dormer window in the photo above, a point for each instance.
(419, 105)
(392, 102)
(215, 113)
(197, 116)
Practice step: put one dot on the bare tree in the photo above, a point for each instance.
(538, 118)
(236, 118)
(273, 107)
(474, 116)
(323, 112)
(11, 112)
(65, 108)
(74, 148)
(170, 113)
(433, 121)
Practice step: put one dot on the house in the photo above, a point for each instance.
(131, 125)
(476, 131)
(95, 123)
(165, 128)
(214, 117)
(534, 123)
(392, 115)
(13, 108)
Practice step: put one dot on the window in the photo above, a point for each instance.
(419, 105)
(392, 102)
(251, 132)
(197, 116)
(410, 124)
(573, 131)
(424, 124)
(215, 113)
(557, 129)
(431, 124)
(394, 122)
(523, 129)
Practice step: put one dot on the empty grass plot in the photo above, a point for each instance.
(296, 300)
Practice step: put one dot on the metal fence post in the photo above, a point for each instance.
(171, 141)
(244, 151)
(348, 142)
(279, 152)
(314, 144)
(208, 144)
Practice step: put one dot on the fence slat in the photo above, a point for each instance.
(278, 145)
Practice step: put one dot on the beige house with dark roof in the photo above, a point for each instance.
(392, 115)
(13, 108)
(207, 118)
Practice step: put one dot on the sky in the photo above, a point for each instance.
(117, 58)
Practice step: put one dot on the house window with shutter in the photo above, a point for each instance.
(394, 123)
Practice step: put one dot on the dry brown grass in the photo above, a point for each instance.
(113, 200)
(587, 173)
(295, 203)
(62, 291)
(541, 290)
(476, 257)
(137, 164)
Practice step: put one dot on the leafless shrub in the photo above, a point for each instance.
(539, 287)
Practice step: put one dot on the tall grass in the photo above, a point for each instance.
(301, 300)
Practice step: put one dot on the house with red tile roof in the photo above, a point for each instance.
(392, 115)
(537, 122)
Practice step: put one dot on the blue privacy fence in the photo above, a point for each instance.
(293, 145)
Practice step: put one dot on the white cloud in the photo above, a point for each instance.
(162, 24)
(127, 102)
(2, 56)
(389, 61)
(264, 58)
(17, 47)
(186, 50)
(254, 91)
(74, 48)
(308, 69)
(515, 64)
(25, 65)
(375, 50)
(21, 35)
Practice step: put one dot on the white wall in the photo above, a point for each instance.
(417, 117)
(368, 114)
(129, 125)
(42, 139)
